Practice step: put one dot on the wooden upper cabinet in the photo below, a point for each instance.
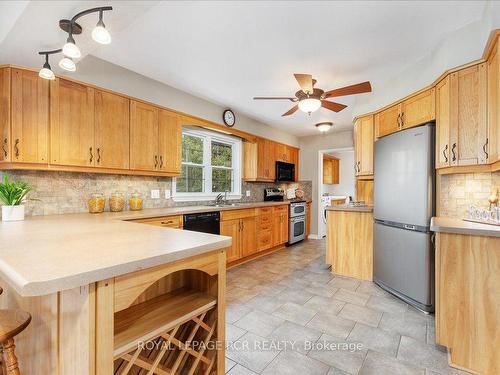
(330, 170)
(170, 141)
(71, 124)
(5, 151)
(265, 160)
(469, 130)
(111, 130)
(388, 121)
(418, 109)
(443, 123)
(30, 117)
(143, 137)
(363, 143)
(493, 67)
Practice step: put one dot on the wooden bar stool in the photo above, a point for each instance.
(12, 322)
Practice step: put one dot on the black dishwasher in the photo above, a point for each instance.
(207, 222)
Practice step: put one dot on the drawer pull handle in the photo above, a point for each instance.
(156, 161)
(444, 154)
(4, 147)
(16, 148)
(167, 222)
(161, 161)
(453, 152)
(484, 148)
(98, 155)
(91, 155)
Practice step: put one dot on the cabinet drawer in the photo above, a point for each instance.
(265, 211)
(266, 225)
(165, 221)
(238, 214)
(264, 240)
(279, 209)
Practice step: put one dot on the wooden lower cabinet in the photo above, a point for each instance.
(349, 247)
(280, 225)
(468, 300)
(232, 228)
(248, 236)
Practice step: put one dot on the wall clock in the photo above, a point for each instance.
(229, 118)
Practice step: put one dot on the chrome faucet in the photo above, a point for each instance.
(218, 199)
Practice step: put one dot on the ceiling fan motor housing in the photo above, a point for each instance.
(317, 94)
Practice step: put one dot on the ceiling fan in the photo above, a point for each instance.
(309, 98)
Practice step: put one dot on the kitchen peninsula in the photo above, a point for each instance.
(97, 285)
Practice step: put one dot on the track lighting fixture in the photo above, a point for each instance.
(46, 71)
(70, 50)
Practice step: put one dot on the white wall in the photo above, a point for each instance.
(346, 185)
(113, 77)
(310, 147)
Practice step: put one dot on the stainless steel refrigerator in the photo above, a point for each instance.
(404, 187)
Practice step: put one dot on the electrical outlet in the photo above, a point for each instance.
(155, 194)
(248, 193)
(167, 194)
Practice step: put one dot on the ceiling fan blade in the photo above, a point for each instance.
(291, 110)
(350, 90)
(305, 82)
(332, 106)
(275, 98)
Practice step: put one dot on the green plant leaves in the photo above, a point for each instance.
(12, 193)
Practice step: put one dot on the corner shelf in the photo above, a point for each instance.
(149, 320)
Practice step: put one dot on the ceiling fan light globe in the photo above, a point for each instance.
(309, 105)
(67, 64)
(71, 50)
(101, 35)
(46, 73)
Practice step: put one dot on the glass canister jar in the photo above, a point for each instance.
(135, 201)
(96, 203)
(116, 202)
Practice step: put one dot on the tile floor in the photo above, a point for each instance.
(280, 305)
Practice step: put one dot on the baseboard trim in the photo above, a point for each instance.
(313, 237)
(255, 256)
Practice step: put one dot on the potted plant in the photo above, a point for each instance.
(12, 195)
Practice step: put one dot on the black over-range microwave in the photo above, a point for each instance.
(285, 172)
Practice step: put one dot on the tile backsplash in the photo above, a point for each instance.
(65, 192)
(459, 191)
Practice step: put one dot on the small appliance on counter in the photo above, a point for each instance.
(273, 195)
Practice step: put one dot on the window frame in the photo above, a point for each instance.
(236, 156)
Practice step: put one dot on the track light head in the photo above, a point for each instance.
(100, 34)
(70, 49)
(46, 72)
(68, 64)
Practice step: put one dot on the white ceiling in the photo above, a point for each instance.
(230, 51)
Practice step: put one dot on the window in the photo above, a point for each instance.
(210, 165)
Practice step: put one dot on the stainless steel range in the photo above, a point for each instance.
(297, 228)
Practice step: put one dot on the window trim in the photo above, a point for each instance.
(207, 195)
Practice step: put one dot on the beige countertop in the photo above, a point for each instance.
(46, 254)
(345, 207)
(458, 226)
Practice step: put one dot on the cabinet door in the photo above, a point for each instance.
(418, 109)
(327, 171)
(358, 144)
(280, 228)
(248, 236)
(71, 123)
(265, 160)
(335, 171)
(366, 165)
(143, 137)
(443, 123)
(231, 228)
(30, 117)
(5, 114)
(270, 148)
(112, 130)
(284, 227)
(281, 152)
(468, 134)
(493, 106)
(170, 141)
(388, 121)
(294, 158)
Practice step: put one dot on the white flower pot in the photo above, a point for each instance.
(13, 213)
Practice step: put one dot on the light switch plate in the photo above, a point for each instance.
(155, 194)
(248, 193)
(167, 194)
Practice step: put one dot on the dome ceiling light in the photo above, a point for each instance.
(70, 50)
(323, 127)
